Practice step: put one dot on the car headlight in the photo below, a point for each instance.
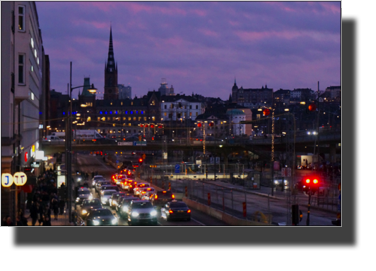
(96, 222)
(114, 221)
(84, 212)
(91, 197)
(153, 213)
(135, 214)
(114, 202)
(125, 208)
(104, 200)
(77, 199)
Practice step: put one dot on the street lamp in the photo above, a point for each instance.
(68, 143)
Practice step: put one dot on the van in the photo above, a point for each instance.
(52, 138)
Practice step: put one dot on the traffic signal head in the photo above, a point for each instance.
(265, 112)
(311, 184)
(312, 107)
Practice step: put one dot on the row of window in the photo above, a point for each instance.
(179, 106)
(124, 118)
(121, 112)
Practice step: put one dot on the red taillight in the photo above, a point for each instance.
(170, 211)
(156, 197)
(307, 180)
(164, 192)
(188, 211)
(173, 196)
(94, 140)
(315, 181)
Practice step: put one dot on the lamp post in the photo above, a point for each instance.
(68, 143)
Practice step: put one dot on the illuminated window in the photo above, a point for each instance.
(165, 114)
(153, 118)
(129, 118)
(124, 118)
(21, 18)
(139, 118)
(129, 124)
(134, 118)
(145, 118)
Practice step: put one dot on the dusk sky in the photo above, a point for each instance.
(199, 47)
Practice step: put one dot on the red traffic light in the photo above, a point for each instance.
(311, 184)
(266, 112)
(199, 124)
(312, 107)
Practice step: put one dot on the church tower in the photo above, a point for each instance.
(111, 90)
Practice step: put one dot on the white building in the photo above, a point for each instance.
(21, 85)
(175, 108)
(235, 117)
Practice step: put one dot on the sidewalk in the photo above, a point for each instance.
(62, 220)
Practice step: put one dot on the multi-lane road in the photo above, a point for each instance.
(88, 163)
(277, 207)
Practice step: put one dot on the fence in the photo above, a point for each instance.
(238, 202)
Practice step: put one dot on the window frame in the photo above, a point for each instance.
(23, 16)
(23, 65)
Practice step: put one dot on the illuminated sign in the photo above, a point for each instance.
(19, 179)
(6, 179)
(26, 156)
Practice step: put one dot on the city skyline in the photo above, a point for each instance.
(199, 47)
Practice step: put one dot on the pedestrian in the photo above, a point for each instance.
(9, 222)
(22, 217)
(47, 216)
(61, 205)
(55, 207)
(74, 217)
(4, 221)
(34, 213)
(40, 214)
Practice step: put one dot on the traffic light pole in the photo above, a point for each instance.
(309, 207)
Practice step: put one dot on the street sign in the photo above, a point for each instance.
(177, 168)
(19, 178)
(6, 179)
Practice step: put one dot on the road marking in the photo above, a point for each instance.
(198, 222)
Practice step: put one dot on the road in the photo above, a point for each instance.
(223, 198)
(88, 163)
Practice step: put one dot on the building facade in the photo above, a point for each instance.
(21, 90)
(125, 92)
(252, 97)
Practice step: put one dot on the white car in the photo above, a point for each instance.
(105, 197)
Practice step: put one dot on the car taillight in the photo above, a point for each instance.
(156, 197)
(188, 211)
(171, 212)
(173, 196)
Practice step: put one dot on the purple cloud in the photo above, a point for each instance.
(198, 46)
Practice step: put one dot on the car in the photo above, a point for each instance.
(125, 184)
(118, 178)
(176, 210)
(83, 193)
(100, 183)
(146, 192)
(131, 186)
(107, 187)
(160, 198)
(136, 189)
(123, 206)
(101, 217)
(114, 198)
(105, 197)
(142, 211)
(87, 205)
(96, 178)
